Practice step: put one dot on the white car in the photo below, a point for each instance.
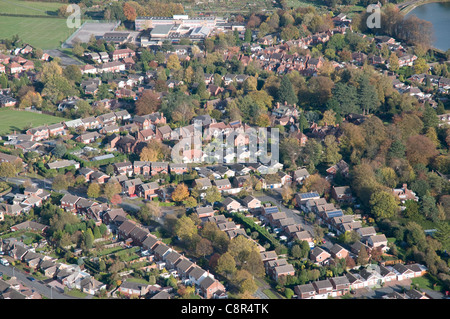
(4, 262)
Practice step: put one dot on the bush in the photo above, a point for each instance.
(288, 293)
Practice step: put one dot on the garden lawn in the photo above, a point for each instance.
(13, 120)
(426, 282)
(44, 33)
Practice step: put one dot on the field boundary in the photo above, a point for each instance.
(22, 15)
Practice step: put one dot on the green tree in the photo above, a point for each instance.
(204, 248)
(296, 251)
(420, 66)
(344, 100)
(363, 256)
(213, 195)
(443, 235)
(430, 118)
(383, 205)
(226, 265)
(185, 228)
(7, 170)
(94, 190)
(367, 96)
(397, 149)
(394, 64)
(429, 207)
(254, 264)
(60, 182)
(248, 35)
(88, 239)
(331, 153)
(59, 151)
(110, 189)
(286, 91)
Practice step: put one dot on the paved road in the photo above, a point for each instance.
(42, 183)
(37, 285)
(295, 215)
(65, 59)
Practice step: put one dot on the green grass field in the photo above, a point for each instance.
(11, 120)
(41, 32)
(44, 33)
(29, 7)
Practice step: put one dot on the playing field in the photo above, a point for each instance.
(29, 7)
(41, 32)
(13, 120)
(44, 33)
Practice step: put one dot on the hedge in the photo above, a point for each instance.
(249, 223)
(117, 158)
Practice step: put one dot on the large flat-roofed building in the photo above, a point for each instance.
(143, 23)
(161, 31)
(117, 37)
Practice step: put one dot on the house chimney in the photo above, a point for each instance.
(405, 186)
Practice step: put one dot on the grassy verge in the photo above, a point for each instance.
(269, 293)
(14, 120)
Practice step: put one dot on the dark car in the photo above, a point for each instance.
(31, 278)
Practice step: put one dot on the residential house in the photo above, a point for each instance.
(251, 202)
(159, 168)
(178, 168)
(56, 129)
(212, 288)
(338, 252)
(133, 289)
(89, 137)
(341, 285)
(203, 183)
(150, 242)
(283, 271)
(130, 187)
(403, 272)
(300, 175)
(342, 194)
(366, 232)
(204, 212)
(68, 202)
(161, 250)
(404, 194)
(231, 204)
(306, 291)
(222, 184)
(319, 256)
(375, 241)
(148, 190)
(125, 229)
(371, 277)
(324, 289)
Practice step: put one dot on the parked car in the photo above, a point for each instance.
(31, 278)
(4, 262)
